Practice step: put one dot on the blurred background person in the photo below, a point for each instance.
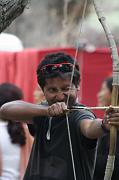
(104, 95)
(15, 140)
(104, 99)
(38, 95)
(39, 98)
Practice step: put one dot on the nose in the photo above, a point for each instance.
(99, 94)
(60, 96)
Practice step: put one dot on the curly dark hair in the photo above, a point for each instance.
(56, 58)
(10, 92)
(109, 82)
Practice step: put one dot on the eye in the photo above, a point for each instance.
(66, 89)
(52, 90)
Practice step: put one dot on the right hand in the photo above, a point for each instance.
(56, 109)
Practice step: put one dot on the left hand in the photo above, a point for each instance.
(111, 117)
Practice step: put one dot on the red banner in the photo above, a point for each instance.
(20, 69)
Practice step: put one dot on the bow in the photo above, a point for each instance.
(115, 91)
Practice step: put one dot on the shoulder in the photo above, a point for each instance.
(82, 113)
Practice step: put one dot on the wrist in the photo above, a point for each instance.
(103, 127)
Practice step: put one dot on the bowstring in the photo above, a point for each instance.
(77, 47)
(75, 58)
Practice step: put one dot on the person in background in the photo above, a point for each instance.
(15, 141)
(104, 99)
(51, 156)
(38, 95)
(104, 95)
(39, 98)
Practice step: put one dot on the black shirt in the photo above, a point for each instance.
(101, 160)
(51, 158)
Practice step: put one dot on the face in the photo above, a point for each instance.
(57, 90)
(104, 96)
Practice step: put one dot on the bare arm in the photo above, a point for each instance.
(92, 128)
(22, 111)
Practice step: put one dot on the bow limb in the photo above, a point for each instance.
(115, 91)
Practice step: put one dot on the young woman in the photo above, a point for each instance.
(15, 142)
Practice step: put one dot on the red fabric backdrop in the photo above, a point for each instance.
(20, 69)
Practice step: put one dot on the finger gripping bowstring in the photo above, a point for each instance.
(115, 90)
(75, 58)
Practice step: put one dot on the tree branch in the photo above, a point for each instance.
(9, 10)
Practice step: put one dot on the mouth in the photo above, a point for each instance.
(71, 101)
